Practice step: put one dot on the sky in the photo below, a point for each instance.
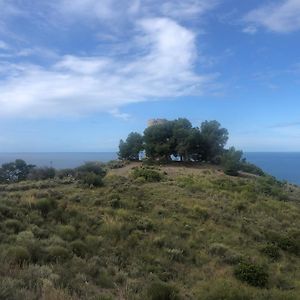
(79, 75)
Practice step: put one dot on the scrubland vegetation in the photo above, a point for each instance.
(176, 231)
(208, 227)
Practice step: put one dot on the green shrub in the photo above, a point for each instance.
(96, 168)
(79, 248)
(272, 251)
(57, 253)
(42, 173)
(148, 174)
(115, 200)
(45, 206)
(231, 161)
(290, 242)
(66, 173)
(14, 225)
(91, 179)
(67, 232)
(252, 274)
(10, 289)
(251, 168)
(162, 291)
(18, 254)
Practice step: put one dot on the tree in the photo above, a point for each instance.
(231, 160)
(15, 171)
(214, 138)
(131, 148)
(181, 138)
(158, 141)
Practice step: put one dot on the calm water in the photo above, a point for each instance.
(282, 165)
(285, 166)
(58, 160)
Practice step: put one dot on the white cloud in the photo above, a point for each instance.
(3, 45)
(282, 16)
(250, 29)
(114, 9)
(76, 85)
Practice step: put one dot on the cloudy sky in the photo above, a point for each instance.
(78, 75)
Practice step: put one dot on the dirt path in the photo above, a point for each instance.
(125, 170)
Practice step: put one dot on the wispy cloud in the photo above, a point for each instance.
(286, 125)
(281, 16)
(159, 64)
(76, 85)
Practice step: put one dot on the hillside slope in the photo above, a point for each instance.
(196, 234)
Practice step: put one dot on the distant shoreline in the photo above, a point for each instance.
(282, 165)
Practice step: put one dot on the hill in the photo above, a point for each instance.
(165, 232)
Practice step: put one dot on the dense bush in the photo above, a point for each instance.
(14, 225)
(45, 206)
(14, 171)
(272, 251)
(57, 253)
(254, 275)
(251, 168)
(289, 242)
(65, 173)
(162, 291)
(92, 167)
(91, 174)
(91, 179)
(79, 248)
(11, 289)
(18, 254)
(67, 232)
(231, 161)
(150, 175)
(41, 173)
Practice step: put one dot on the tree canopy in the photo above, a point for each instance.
(131, 148)
(177, 139)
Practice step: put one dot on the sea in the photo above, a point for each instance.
(282, 165)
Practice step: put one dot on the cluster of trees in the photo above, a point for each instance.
(177, 139)
(15, 171)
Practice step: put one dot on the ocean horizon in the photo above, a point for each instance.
(282, 165)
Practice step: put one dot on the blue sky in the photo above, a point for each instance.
(78, 75)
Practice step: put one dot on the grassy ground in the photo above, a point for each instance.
(196, 234)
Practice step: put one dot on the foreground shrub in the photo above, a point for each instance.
(41, 173)
(290, 242)
(92, 167)
(251, 168)
(162, 291)
(14, 225)
(272, 251)
(252, 274)
(79, 248)
(231, 161)
(10, 289)
(18, 254)
(91, 179)
(57, 253)
(67, 232)
(149, 175)
(45, 206)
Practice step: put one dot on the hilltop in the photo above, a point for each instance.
(172, 231)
